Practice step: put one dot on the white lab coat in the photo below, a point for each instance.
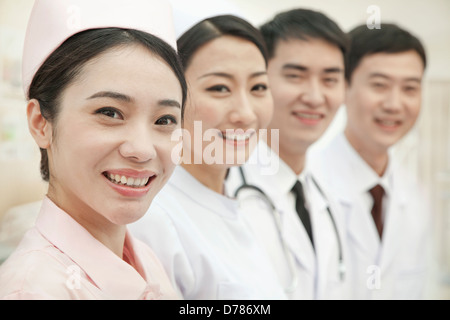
(317, 270)
(394, 268)
(204, 244)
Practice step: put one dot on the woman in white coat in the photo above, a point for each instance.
(197, 231)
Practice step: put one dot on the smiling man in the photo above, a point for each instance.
(387, 224)
(300, 229)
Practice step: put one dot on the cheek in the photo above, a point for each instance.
(336, 97)
(209, 111)
(361, 104)
(413, 111)
(284, 94)
(166, 148)
(264, 111)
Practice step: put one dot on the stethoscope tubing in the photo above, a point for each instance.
(275, 214)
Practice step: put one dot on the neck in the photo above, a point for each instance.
(213, 177)
(294, 158)
(376, 158)
(109, 234)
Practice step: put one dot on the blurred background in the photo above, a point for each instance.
(425, 152)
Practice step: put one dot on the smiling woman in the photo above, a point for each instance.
(104, 96)
(197, 231)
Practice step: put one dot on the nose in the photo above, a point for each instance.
(313, 95)
(243, 110)
(393, 100)
(137, 144)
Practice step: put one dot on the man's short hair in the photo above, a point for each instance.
(303, 24)
(390, 38)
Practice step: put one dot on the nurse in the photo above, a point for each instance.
(387, 222)
(196, 230)
(105, 92)
(297, 222)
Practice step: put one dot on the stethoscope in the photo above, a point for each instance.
(276, 216)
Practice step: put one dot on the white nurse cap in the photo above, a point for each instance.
(54, 21)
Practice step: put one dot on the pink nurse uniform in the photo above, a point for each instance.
(59, 259)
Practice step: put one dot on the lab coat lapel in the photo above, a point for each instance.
(274, 185)
(395, 215)
(361, 231)
(319, 217)
(296, 238)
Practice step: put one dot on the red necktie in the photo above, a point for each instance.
(377, 193)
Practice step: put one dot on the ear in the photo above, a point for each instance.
(39, 127)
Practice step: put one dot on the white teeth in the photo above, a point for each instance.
(309, 116)
(387, 123)
(129, 181)
(237, 137)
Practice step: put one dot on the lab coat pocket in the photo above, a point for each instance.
(410, 284)
(234, 291)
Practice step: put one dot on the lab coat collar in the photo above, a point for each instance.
(276, 186)
(199, 192)
(112, 275)
(366, 178)
(282, 179)
(360, 227)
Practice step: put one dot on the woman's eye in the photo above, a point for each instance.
(259, 87)
(218, 88)
(110, 112)
(166, 121)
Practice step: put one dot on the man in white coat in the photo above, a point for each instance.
(387, 224)
(301, 232)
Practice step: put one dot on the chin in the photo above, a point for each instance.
(129, 214)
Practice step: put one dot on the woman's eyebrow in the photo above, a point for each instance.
(126, 98)
(111, 95)
(169, 103)
(217, 74)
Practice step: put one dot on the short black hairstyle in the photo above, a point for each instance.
(211, 28)
(303, 24)
(390, 38)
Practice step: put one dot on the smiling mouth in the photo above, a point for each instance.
(388, 123)
(308, 116)
(128, 181)
(238, 137)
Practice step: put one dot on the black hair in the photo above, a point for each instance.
(63, 66)
(215, 27)
(302, 24)
(390, 38)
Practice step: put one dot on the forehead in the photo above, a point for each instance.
(308, 52)
(226, 53)
(133, 70)
(402, 65)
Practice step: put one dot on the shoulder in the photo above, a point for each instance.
(34, 274)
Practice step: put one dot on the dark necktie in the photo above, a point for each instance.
(301, 210)
(377, 193)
